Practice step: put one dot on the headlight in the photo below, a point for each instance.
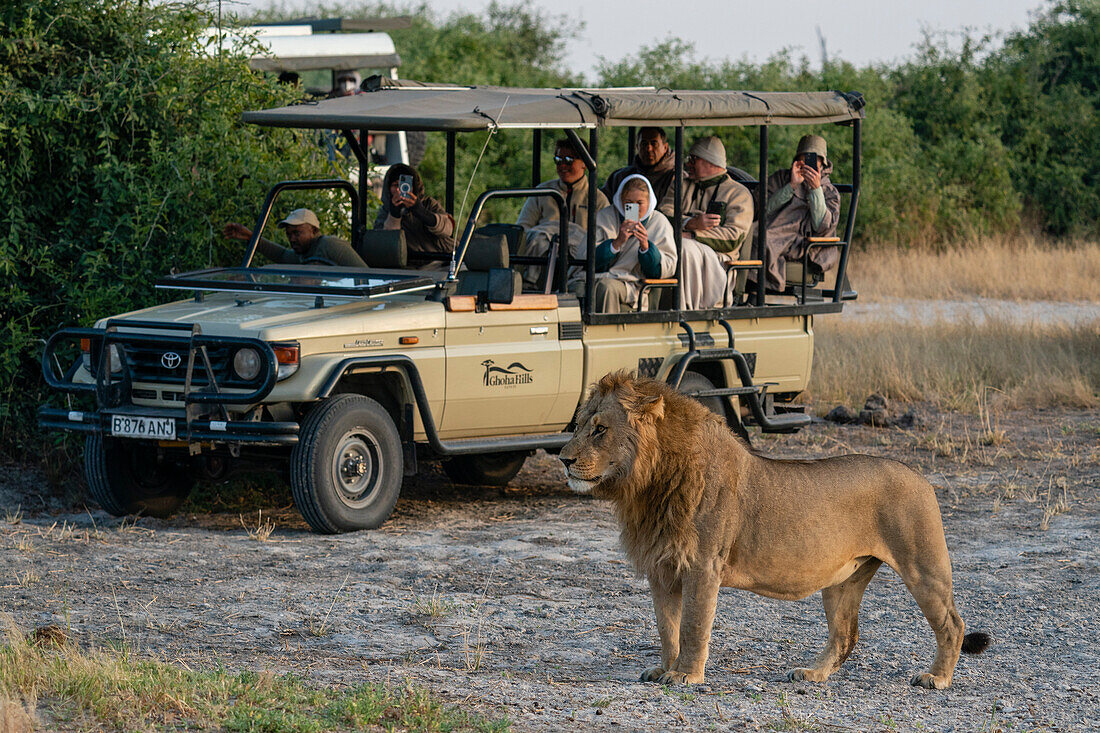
(246, 363)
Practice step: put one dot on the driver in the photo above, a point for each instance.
(303, 231)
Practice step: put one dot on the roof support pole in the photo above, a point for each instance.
(631, 142)
(762, 225)
(677, 214)
(589, 154)
(536, 158)
(361, 150)
(853, 202)
(449, 202)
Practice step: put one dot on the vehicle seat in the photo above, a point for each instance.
(513, 233)
(384, 248)
(483, 254)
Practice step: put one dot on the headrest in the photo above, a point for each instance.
(384, 248)
(486, 252)
(513, 233)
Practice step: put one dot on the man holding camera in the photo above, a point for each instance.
(802, 203)
(405, 206)
(716, 210)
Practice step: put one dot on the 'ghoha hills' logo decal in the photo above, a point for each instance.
(515, 373)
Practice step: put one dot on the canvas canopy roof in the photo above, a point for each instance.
(409, 105)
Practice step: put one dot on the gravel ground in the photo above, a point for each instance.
(519, 601)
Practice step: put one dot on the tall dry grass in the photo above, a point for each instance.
(952, 364)
(1023, 267)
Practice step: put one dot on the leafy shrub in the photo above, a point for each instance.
(122, 155)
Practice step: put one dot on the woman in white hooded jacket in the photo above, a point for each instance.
(629, 251)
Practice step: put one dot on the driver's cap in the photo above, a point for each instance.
(300, 216)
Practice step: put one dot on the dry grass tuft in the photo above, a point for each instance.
(1018, 268)
(263, 529)
(954, 365)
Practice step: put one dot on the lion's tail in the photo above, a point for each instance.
(976, 643)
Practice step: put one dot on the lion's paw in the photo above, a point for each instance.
(672, 677)
(930, 681)
(652, 674)
(801, 674)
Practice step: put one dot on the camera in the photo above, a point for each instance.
(405, 185)
(631, 212)
(811, 160)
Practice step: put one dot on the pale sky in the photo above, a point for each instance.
(860, 31)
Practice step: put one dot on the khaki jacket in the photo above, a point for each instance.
(540, 209)
(730, 234)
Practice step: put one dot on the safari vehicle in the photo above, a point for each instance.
(353, 376)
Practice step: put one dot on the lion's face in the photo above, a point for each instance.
(604, 447)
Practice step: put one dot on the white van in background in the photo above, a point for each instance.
(319, 53)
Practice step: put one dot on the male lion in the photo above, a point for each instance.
(698, 510)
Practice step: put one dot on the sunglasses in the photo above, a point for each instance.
(567, 159)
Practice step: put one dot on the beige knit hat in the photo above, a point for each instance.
(812, 144)
(711, 150)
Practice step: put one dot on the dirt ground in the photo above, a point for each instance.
(520, 602)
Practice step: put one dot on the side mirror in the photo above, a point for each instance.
(501, 287)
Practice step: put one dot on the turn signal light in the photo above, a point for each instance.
(287, 357)
(409, 340)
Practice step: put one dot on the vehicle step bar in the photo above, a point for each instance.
(768, 420)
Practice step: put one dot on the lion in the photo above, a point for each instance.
(699, 510)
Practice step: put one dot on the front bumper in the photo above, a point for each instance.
(243, 432)
(204, 397)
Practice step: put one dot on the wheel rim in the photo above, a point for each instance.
(356, 468)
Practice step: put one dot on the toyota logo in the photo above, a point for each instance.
(170, 360)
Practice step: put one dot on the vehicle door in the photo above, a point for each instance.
(504, 368)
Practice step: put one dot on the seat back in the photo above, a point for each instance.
(513, 233)
(483, 254)
(384, 248)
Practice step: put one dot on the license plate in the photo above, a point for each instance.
(132, 426)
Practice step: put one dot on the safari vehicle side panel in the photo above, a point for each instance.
(781, 349)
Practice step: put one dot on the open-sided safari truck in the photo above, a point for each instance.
(353, 375)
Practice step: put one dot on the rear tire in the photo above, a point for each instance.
(488, 469)
(347, 468)
(692, 382)
(127, 477)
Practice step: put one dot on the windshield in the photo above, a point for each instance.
(305, 280)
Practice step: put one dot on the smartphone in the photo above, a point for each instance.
(810, 159)
(717, 207)
(631, 212)
(405, 185)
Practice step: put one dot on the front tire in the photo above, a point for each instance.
(488, 469)
(347, 468)
(126, 477)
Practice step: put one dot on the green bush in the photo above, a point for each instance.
(122, 155)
